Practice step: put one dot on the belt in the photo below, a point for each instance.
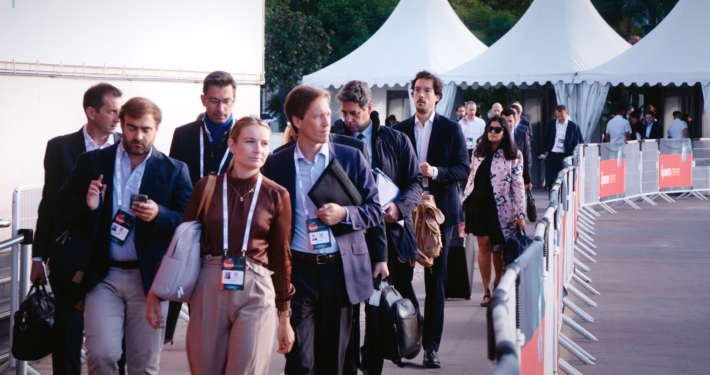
(313, 258)
(124, 265)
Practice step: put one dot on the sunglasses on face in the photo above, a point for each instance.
(495, 129)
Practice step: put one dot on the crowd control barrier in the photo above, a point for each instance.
(527, 310)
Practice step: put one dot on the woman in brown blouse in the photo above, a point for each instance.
(231, 330)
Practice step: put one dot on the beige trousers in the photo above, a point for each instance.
(113, 307)
(231, 332)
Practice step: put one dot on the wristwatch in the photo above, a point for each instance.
(286, 314)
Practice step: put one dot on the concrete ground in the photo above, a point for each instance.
(652, 273)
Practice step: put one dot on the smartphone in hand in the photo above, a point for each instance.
(138, 198)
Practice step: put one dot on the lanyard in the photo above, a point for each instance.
(300, 181)
(119, 187)
(225, 216)
(202, 150)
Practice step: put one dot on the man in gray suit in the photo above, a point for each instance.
(331, 268)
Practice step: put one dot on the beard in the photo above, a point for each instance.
(136, 151)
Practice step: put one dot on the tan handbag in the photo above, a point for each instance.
(427, 219)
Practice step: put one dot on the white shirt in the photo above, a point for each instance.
(422, 134)
(367, 138)
(472, 130)
(91, 145)
(616, 128)
(675, 130)
(559, 146)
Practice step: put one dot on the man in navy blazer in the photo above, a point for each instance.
(443, 159)
(124, 261)
(330, 273)
(561, 138)
(650, 127)
(522, 141)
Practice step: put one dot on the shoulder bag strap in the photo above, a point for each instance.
(207, 195)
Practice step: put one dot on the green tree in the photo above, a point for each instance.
(489, 20)
(632, 17)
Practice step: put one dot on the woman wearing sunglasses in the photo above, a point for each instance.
(494, 198)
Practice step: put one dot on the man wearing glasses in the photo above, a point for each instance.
(202, 144)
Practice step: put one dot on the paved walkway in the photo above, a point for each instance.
(653, 273)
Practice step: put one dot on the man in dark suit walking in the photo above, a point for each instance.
(101, 105)
(331, 268)
(392, 153)
(202, 144)
(131, 239)
(443, 159)
(650, 127)
(522, 141)
(561, 137)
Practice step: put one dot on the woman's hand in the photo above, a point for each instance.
(520, 223)
(285, 335)
(153, 313)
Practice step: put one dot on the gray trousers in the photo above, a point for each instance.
(231, 331)
(114, 307)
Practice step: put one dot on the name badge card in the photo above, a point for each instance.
(122, 225)
(233, 267)
(318, 234)
(469, 142)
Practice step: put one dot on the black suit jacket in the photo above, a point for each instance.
(337, 126)
(166, 181)
(523, 143)
(656, 130)
(59, 160)
(447, 152)
(394, 155)
(573, 137)
(185, 147)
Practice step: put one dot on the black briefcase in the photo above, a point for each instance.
(459, 269)
(393, 324)
(32, 330)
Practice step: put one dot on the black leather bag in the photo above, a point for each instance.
(393, 325)
(514, 246)
(530, 206)
(32, 331)
(70, 257)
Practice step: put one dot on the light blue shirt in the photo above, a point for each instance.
(131, 182)
(367, 138)
(310, 172)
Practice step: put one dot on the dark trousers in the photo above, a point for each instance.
(67, 338)
(321, 319)
(553, 166)
(435, 285)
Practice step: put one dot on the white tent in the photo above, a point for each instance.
(553, 41)
(419, 34)
(677, 51)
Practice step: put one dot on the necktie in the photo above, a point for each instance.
(360, 136)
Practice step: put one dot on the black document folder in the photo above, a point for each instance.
(334, 186)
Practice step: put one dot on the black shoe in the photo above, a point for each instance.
(431, 360)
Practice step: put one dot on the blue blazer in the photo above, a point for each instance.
(166, 181)
(447, 152)
(573, 137)
(354, 252)
(523, 143)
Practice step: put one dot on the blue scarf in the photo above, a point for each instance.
(216, 130)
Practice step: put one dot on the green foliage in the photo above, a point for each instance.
(296, 44)
(486, 97)
(628, 16)
(489, 20)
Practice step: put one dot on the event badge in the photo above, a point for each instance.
(122, 225)
(469, 142)
(233, 272)
(561, 143)
(318, 234)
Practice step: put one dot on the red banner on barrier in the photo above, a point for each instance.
(674, 173)
(612, 178)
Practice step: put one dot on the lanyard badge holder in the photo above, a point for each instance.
(123, 222)
(202, 149)
(318, 233)
(234, 266)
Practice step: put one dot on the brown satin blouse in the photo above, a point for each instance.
(270, 235)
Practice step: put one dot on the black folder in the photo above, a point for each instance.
(334, 186)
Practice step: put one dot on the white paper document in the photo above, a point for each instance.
(387, 190)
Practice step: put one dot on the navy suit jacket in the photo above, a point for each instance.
(185, 147)
(573, 137)
(357, 267)
(166, 181)
(656, 130)
(394, 155)
(447, 152)
(523, 143)
(59, 160)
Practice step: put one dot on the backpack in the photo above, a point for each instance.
(393, 324)
(180, 268)
(426, 219)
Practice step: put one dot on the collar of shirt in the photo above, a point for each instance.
(323, 151)
(367, 133)
(429, 121)
(564, 123)
(91, 145)
(125, 160)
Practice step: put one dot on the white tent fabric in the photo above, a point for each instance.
(418, 35)
(584, 103)
(677, 51)
(551, 42)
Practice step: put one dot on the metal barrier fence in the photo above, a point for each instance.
(564, 244)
